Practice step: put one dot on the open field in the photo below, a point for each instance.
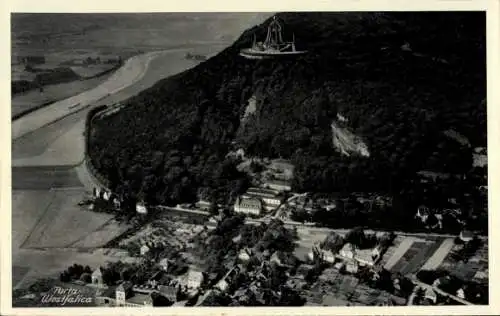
(398, 251)
(43, 178)
(389, 253)
(438, 257)
(67, 149)
(308, 238)
(65, 222)
(101, 236)
(28, 207)
(18, 273)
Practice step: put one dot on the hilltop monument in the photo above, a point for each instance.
(274, 46)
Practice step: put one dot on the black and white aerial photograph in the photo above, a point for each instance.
(241, 159)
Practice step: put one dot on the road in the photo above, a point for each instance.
(313, 229)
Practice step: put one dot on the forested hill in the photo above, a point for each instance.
(400, 78)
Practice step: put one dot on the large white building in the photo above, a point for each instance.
(271, 199)
(194, 279)
(248, 205)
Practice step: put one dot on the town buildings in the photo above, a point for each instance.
(128, 295)
(244, 255)
(123, 296)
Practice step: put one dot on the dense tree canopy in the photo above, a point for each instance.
(399, 79)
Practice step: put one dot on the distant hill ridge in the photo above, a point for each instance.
(171, 143)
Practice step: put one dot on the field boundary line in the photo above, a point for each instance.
(88, 234)
(38, 221)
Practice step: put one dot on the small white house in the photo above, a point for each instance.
(244, 255)
(367, 256)
(347, 251)
(461, 293)
(164, 263)
(237, 239)
(431, 295)
(144, 250)
(352, 267)
(141, 208)
(222, 285)
(339, 265)
(275, 258)
(328, 256)
(466, 235)
(116, 203)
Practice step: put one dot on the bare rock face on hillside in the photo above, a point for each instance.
(347, 143)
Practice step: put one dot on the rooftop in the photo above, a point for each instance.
(466, 234)
(348, 247)
(261, 192)
(278, 182)
(193, 274)
(364, 255)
